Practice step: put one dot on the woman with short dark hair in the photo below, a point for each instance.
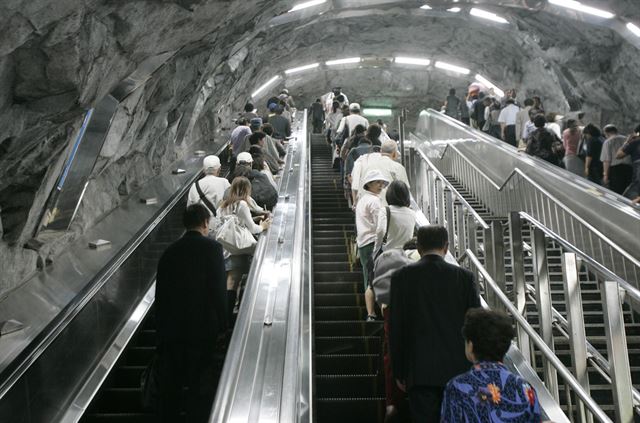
(489, 392)
(402, 220)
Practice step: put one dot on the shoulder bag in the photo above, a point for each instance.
(376, 254)
(235, 237)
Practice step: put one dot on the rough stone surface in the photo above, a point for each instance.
(58, 58)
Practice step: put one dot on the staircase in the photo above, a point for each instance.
(600, 388)
(349, 375)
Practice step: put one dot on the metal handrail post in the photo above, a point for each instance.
(431, 182)
(489, 260)
(519, 281)
(497, 239)
(472, 241)
(440, 202)
(577, 334)
(448, 201)
(617, 351)
(460, 228)
(543, 298)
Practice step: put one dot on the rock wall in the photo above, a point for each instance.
(59, 57)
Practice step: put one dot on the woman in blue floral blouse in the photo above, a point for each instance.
(489, 392)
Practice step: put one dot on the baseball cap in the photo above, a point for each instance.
(354, 107)
(211, 162)
(244, 157)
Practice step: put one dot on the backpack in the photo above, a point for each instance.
(385, 266)
(262, 191)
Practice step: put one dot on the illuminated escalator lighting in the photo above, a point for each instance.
(412, 61)
(346, 61)
(490, 84)
(452, 68)
(635, 30)
(307, 4)
(479, 13)
(425, 7)
(265, 86)
(454, 10)
(377, 112)
(302, 68)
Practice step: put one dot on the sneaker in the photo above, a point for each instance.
(371, 318)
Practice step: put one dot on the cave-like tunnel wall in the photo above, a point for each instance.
(58, 58)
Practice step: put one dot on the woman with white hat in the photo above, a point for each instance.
(367, 212)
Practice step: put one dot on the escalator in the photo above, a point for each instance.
(349, 376)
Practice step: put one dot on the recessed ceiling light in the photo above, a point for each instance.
(346, 61)
(377, 112)
(265, 86)
(487, 15)
(425, 7)
(307, 4)
(302, 68)
(490, 84)
(454, 10)
(576, 5)
(412, 61)
(635, 30)
(452, 68)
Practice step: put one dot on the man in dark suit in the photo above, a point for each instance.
(429, 300)
(190, 314)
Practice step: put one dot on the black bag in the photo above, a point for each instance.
(150, 385)
(342, 136)
(205, 200)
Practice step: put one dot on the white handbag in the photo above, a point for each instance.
(235, 237)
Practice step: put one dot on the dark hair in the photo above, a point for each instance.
(340, 98)
(248, 107)
(398, 194)
(359, 129)
(335, 106)
(510, 101)
(490, 332)
(373, 132)
(637, 129)
(279, 110)
(539, 121)
(317, 100)
(242, 121)
(432, 237)
(255, 150)
(195, 216)
(255, 138)
(452, 91)
(610, 129)
(240, 170)
(412, 244)
(258, 160)
(533, 113)
(267, 129)
(592, 130)
(528, 102)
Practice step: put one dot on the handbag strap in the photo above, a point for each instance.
(205, 200)
(386, 233)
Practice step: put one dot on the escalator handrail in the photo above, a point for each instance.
(483, 224)
(537, 340)
(47, 336)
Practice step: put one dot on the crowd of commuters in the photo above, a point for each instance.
(602, 156)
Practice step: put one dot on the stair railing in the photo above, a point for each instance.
(553, 367)
(616, 370)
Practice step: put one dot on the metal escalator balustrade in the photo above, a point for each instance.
(553, 284)
(349, 376)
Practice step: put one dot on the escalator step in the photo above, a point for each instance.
(350, 410)
(348, 344)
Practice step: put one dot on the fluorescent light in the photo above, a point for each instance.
(307, 4)
(454, 10)
(576, 5)
(265, 86)
(452, 68)
(634, 29)
(490, 84)
(302, 68)
(412, 61)
(342, 61)
(377, 112)
(487, 15)
(425, 7)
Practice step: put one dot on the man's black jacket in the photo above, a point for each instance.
(191, 297)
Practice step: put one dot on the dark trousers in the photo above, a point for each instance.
(620, 177)
(393, 394)
(425, 403)
(510, 135)
(186, 365)
(317, 126)
(633, 190)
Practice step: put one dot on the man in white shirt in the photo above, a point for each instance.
(507, 120)
(385, 162)
(522, 118)
(212, 188)
(354, 119)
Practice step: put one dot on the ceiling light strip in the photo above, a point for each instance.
(302, 68)
(576, 5)
(412, 61)
(635, 30)
(265, 86)
(307, 4)
(346, 61)
(425, 7)
(490, 84)
(452, 68)
(454, 10)
(479, 13)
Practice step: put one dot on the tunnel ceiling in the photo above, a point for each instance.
(58, 58)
